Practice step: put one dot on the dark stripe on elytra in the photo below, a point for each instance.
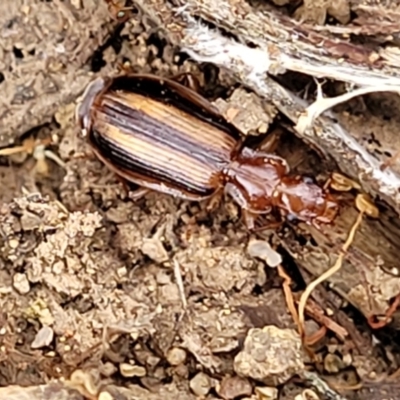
(175, 94)
(140, 123)
(144, 149)
(120, 158)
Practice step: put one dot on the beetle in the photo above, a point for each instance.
(163, 136)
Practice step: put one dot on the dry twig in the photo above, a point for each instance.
(288, 294)
(179, 282)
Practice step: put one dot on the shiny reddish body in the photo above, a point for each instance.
(165, 137)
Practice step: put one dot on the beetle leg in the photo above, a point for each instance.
(189, 80)
(268, 226)
(315, 224)
(84, 155)
(249, 219)
(124, 184)
(278, 221)
(214, 201)
(270, 143)
(236, 194)
(137, 194)
(132, 194)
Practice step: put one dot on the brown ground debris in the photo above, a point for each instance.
(105, 298)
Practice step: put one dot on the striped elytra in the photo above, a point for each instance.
(148, 131)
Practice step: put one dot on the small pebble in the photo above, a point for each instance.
(84, 380)
(266, 393)
(333, 363)
(129, 370)
(105, 396)
(43, 338)
(21, 283)
(13, 243)
(154, 249)
(200, 384)
(176, 356)
(347, 359)
(307, 394)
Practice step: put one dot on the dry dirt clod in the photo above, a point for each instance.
(270, 355)
(154, 249)
(316, 11)
(50, 391)
(108, 369)
(232, 387)
(247, 112)
(201, 384)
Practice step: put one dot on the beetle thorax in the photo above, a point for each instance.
(252, 178)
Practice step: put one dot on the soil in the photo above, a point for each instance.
(105, 298)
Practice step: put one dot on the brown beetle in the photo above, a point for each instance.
(165, 137)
